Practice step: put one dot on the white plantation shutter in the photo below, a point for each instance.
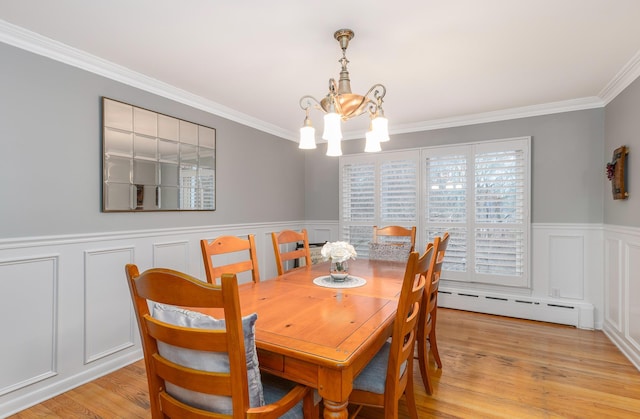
(478, 192)
(446, 204)
(358, 192)
(380, 190)
(500, 183)
(358, 202)
(501, 213)
(398, 192)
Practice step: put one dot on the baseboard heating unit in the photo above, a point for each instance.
(577, 314)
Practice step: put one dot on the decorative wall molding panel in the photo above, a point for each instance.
(622, 289)
(109, 320)
(173, 255)
(28, 315)
(613, 283)
(566, 266)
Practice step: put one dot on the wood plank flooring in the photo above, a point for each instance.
(493, 367)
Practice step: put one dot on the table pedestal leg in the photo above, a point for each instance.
(335, 410)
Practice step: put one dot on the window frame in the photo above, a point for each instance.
(377, 160)
(470, 150)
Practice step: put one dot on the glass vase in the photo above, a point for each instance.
(339, 270)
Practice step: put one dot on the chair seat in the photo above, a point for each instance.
(373, 377)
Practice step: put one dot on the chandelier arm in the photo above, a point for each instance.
(378, 90)
(307, 102)
(372, 108)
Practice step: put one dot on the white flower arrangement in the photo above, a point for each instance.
(338, 251)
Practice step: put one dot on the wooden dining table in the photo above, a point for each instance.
(319, 336)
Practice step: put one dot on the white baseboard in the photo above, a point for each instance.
(622, 344)
(34, 397)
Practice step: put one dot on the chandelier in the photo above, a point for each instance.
(341, 105)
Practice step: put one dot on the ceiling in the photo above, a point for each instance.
(444, 63)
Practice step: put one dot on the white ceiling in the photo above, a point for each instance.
(443, 62)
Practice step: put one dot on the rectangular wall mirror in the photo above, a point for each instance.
(155, 162)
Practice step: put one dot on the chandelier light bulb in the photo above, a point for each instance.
(373, 144)
(334, 148)
(307, 135)
(307, 138)
(332, 129)
(380, 126)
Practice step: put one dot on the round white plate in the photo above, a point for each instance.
(350, 282)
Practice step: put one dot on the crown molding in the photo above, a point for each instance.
(38, 44)
(494, 116)
(502, 115)
(621, 80)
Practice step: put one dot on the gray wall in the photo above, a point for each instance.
(567, 163)
(622, 121)
(50, 164)
(51, 157)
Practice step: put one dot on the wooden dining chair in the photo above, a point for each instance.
(386, 234)
(392, 243)
(389, 375)
(427, 326)
(196, 364)
(230, 244)
(288, 238)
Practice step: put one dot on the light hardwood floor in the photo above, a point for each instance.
(493, 367)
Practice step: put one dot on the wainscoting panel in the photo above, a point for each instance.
(322, 234)
(173, 255)
(28, 320)
(566, 265)
(622, 289)
(109, 317)
(613, 281)
(632, 294)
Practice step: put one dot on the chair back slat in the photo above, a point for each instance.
(225, 245)
(288, 238)
(388, 232)
(205, 382)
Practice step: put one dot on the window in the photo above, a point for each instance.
(477, 192)
(377, 190)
